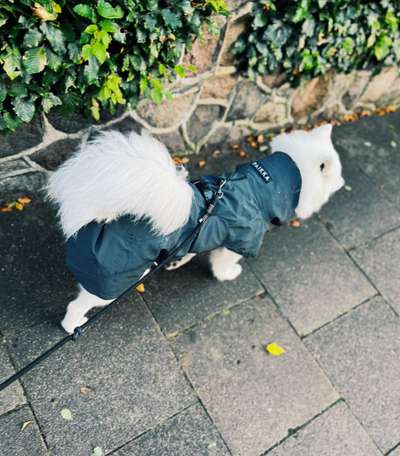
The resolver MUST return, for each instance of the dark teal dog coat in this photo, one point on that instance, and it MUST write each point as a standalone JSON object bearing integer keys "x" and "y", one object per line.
{"x": 107, "y": 258}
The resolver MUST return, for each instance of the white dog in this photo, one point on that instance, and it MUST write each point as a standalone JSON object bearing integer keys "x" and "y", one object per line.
{"x": 123, "y": 201}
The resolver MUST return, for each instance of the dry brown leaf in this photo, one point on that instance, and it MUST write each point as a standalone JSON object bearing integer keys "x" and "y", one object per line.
{"x": 85, "y": 390}
{"x": 242, "y": 153}
{"x": 5, "y": 209}
{"x": 24, "y": 200}
{"x": 201, "y": 163}
{"x": 295, "y": 223}
{"x": 235, "y": 146}
{"x": 260, "y": 139}
{"x": 177, "y": 161}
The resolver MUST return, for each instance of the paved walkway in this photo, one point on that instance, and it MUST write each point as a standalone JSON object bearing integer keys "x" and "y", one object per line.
{"x": 181, "y": 370}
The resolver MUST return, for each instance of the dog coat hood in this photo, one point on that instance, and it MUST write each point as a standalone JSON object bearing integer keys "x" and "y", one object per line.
{"x": 107, "y": 258}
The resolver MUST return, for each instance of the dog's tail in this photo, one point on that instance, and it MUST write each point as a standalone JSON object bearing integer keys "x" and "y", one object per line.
{"x": 116, "y": 175}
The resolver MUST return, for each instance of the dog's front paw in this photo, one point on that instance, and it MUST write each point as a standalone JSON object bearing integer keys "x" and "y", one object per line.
{"x": 69, "y": 323}
{"x": 228, "y": 274}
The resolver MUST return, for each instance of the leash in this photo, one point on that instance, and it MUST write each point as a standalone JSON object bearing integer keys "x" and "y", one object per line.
{"x": 79, "y": 330}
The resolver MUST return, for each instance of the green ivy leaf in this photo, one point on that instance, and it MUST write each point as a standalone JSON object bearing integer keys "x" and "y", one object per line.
{"x": 180, "y": 71}
{"x": 171, "y": 19}
{"x": 85, "y": 11}
{"x": 99, "y": 51}
{"x": 55, "y": 37}
{"x": 143, "y": 84}
{"x": 18, "y": 89}
{"x": 32, "y": 38}
{"x": 54, "y": 61}
{"x": 109, "y": 26}
{"x": 95, "y": 109}
{"x": 382, "y": 47}
{"x": 12, "y": 123}
{"x": 24, "y": 108}
{"x": 91, "y": 29}
{"x": 3, "y": 91}
{"x": 49, "y": 101}
{"x": 106, "y": 10}
{"x": 12, "y": 63}
{"x": 34, "y": 60}
{"x": 3, "y": 20}
{"x": 260, "y": 19}
{"x": 91, "y": 71}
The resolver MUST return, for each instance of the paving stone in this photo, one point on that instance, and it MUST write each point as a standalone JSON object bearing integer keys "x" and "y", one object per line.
{"x": 396, "y": 452}
{"x": 189, "y": 433}
{"x": 374, "y": 143}
{"x": 132, "y": 376}
{"x": 14, "y": 441}
{"x": 25, "y": 137}
{"x": 362, "y": 212}
{"x": 13, "y": 167}
{"x": 360, "y": 353}
{"x": 178, "y": 299}
{"x": 13, "y": 396}
{"x": 53, "y": 156}
{"x": 380, "y": 261}
{"x": 335, "y": 433}
{"x": 34, "y": 282}
{"x": 253, "y": 398}
{"x": 310, "y": 277}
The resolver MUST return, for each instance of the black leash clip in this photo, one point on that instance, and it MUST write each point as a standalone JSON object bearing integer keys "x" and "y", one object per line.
{"x": 211, "y": 206}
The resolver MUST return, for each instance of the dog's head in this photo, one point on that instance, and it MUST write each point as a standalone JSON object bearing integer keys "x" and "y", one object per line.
{"x": 319, "y": 165}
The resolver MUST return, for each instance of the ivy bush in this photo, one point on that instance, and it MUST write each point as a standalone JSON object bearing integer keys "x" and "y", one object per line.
{"x": 306, "y": 38}
{"x": 93, "y": 54}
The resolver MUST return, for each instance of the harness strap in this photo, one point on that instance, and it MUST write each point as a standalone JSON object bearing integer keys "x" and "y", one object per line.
{"x": 79, "y": 330}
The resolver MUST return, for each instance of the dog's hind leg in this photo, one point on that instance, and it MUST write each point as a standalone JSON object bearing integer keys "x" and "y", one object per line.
{"x": 224, "y": 264}
{"x": 79, "y": 307}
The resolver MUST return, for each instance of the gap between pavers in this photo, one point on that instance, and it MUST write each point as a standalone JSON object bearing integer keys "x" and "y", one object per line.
{"x": 253, "y": 398}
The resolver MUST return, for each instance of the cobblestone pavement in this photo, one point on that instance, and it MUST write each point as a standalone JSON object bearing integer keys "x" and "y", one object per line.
{"x": 181, "y": 370}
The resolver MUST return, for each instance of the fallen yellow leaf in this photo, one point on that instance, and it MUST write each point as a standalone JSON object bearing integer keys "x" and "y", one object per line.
{"x": 140, "y": 288}
{"x": 201, "y": 163}
{"x": 274, "y": 349}
{"x": 25, "y": 425}
{"x": 19, "y": 206}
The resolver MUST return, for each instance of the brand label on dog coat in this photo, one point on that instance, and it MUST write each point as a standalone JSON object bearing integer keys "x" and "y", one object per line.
{"x": 262, "y": 172}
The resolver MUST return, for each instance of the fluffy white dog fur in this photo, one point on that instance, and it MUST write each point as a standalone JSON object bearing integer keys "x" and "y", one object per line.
{"x": 117, "y": 174}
